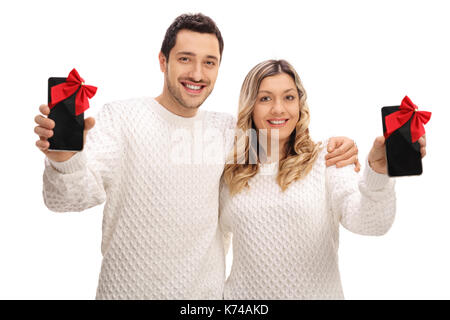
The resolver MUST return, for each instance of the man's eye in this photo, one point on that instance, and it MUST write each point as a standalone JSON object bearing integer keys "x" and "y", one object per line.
{"x": 263, "y": 99}
{"x": 210, "y": 63}
{"x": 184, "y": 59}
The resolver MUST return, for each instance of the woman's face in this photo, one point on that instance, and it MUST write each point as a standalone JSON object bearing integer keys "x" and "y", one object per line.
{"x": 277, "y": 106}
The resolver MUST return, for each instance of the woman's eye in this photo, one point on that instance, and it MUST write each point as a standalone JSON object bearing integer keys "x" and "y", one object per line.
{"x": 290, "y": 97}
{"x": 263, "y": 99}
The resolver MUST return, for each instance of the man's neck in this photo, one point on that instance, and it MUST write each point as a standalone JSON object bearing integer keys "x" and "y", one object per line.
{"x": 173, "y": 106}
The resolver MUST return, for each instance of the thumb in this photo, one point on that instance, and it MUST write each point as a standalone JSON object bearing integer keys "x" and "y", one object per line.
{"x": 89, "y": 123}
{"x": 379, "y": 142}
{"x": 331, "y": 145}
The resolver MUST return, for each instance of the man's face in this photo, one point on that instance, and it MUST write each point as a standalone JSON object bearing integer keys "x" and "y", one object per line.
{"x": 191, "y": 72}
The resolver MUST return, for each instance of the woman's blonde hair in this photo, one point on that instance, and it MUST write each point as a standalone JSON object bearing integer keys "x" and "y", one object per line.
{"x": 300, "y": 152}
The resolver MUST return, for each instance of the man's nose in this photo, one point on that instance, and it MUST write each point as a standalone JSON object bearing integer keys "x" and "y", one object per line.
{"x": 196, "y": 72}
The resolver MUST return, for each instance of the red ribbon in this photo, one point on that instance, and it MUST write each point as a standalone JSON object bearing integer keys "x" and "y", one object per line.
{"x": 64, "y": 90}
{"x": 397, "y": 119}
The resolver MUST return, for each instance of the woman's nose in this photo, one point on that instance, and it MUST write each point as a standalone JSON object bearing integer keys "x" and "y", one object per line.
{"x": 277, "y": 108}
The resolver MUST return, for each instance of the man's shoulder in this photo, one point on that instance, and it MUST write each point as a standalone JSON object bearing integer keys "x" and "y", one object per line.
{"x": 129, "y": 103}
{"x": 221, "y": 120}
{"x": 125, "y": 108}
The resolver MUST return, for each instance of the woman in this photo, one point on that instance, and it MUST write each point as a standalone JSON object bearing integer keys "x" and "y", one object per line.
{"x": 284, "y": 215}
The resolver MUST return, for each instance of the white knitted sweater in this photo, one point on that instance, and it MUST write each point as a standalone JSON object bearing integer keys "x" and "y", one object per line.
{"x": 285, "y": 245}
{"x": 161, "y": 238}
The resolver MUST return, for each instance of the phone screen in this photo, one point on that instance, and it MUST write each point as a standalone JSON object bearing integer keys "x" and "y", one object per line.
{"x": 68, "y": 130}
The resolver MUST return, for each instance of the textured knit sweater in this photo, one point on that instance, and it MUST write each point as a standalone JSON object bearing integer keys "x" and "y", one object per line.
{"x": 285, "y": 244}
{"x": 160, "y": 232}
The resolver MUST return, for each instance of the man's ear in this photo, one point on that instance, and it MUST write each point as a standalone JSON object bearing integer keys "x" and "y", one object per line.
{"x": 162, "y": 62}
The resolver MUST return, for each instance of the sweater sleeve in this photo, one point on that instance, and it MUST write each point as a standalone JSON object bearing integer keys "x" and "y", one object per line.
{"x": 363, "y": 205}
{"x": 82, "y": 181}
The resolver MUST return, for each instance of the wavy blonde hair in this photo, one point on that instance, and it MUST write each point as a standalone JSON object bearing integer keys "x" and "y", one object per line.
{"x": 300, "y": 151}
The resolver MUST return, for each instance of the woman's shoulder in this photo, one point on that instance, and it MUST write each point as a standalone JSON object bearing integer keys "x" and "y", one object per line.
{"x": 322, "y": 152}
{"x": 323, "y": 148}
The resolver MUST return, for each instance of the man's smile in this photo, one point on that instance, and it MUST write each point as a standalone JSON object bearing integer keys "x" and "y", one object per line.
{"x": 193, "y": 88}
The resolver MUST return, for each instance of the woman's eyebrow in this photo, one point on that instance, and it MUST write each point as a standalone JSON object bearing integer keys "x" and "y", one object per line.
{"x": 267, "y": 91}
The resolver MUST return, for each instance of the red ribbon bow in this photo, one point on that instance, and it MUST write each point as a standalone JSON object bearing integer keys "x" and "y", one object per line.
{"x": 64, "y": 90}
{"x": 397, "y": 119}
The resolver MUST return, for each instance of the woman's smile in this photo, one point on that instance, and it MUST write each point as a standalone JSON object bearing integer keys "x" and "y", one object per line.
{"x": 277, "y": 123}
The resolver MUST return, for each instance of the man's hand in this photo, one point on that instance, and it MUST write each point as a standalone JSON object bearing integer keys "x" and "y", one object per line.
{"x": 377, "y": 155}
{"x": 44, "y": 130}
{"x": 342, "y": 152}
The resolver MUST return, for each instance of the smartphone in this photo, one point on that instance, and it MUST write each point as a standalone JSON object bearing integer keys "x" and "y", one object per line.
{"x": 68, "y": 130}
{"x": 403, "y": 156}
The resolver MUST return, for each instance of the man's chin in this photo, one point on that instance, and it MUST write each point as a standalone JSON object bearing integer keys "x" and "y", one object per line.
{"x": 193, "y": 103}
{"x": 187, "y": 106}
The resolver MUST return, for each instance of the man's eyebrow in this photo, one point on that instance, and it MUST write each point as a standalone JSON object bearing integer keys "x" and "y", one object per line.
{"x": 188, "y": 53}
{"x": 213, "y": 57}
{"x": 266, "y": 91}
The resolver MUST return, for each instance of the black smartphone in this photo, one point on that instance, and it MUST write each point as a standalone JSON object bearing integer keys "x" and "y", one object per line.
{"x": 403, "y": 156}
{"x": 68, "y": 130}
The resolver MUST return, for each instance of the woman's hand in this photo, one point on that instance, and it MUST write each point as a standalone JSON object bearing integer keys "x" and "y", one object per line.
{"x": 377, "y": 155}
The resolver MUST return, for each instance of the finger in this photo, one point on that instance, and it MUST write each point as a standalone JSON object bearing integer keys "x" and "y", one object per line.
{"x": 358, "y": 166}
{"x": 379, "y": 141}
{"x": 89, "y": 123}
{"x": 423, "y": 152}
{"x": 422, "y": 142}
{"x": 44, "y": 109}
{"x": 43, "y": 132}
{"x": 342, "y": 149}
{"x": 347, "y": 155}
{"x": 347, "y": 162}
{"x": 44, "y": 122}
{"x": 43, "y": 145}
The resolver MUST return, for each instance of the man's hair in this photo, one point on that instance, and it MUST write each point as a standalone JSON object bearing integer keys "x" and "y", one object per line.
{"x": 193, "y": 22}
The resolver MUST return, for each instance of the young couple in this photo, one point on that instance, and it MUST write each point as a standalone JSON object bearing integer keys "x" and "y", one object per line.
{"x": 163, "y": 236}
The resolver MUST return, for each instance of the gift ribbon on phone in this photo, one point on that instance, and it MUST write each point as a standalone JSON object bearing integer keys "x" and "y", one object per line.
{"x": 64, "y": 90}
{"x": 397, "y": 119}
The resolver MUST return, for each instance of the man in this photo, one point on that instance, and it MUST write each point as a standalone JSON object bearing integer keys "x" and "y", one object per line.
{"x": 160, "y": 238}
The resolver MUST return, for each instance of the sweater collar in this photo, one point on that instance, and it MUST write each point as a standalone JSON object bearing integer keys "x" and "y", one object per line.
{"x": 174, "y": 118}
{"x": 268, "y": 168}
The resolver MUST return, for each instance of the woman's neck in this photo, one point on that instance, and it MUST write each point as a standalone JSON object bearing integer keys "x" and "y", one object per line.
{"x": 280, "y": 151}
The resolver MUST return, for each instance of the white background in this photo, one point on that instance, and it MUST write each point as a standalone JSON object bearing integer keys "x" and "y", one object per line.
{"x": 353, "y": 57}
